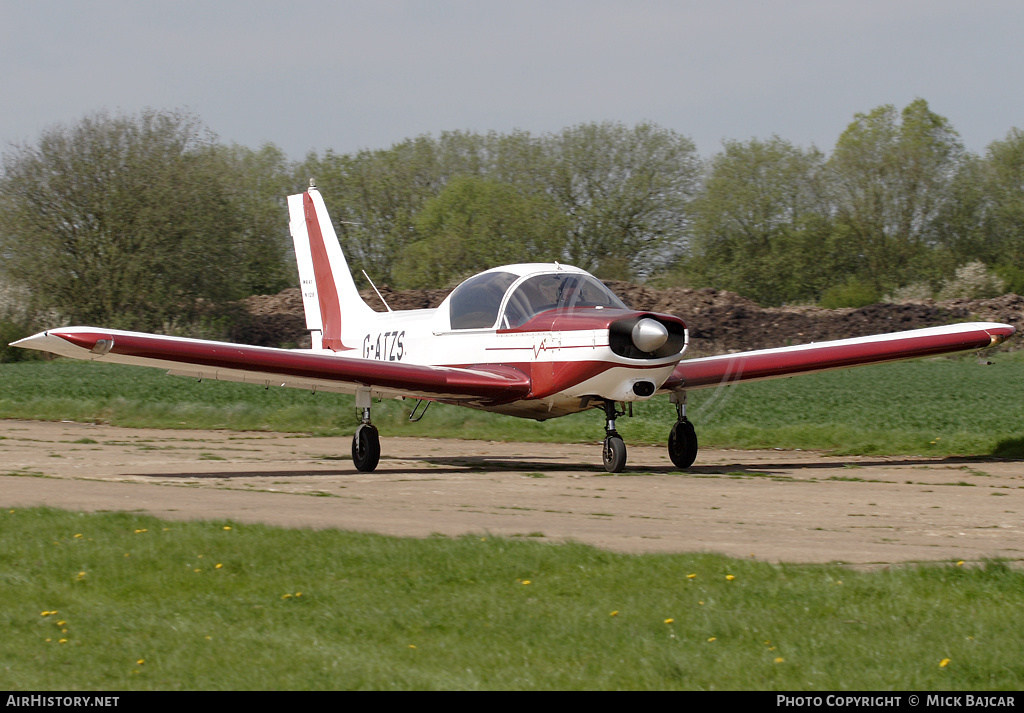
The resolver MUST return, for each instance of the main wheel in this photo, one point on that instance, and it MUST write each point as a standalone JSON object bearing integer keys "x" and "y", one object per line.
{"x": 682, "y": 444}
{"x": 366, "y": 448}
{"x": 614, "y": 454}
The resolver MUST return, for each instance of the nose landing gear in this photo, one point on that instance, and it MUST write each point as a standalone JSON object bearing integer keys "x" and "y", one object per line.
{"x": 614, "y": 452}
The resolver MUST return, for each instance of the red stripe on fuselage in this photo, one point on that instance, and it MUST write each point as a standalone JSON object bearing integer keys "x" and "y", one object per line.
{"x": 548, "y": 378}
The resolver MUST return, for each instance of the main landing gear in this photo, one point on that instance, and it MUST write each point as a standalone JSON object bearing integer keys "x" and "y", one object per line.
{"x": 366, "y": 441}
{"x": 682, "y": 440}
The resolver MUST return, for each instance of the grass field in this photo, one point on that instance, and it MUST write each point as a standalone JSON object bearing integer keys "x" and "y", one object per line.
{"x": 113, "y": 601}
{"x": 126, "y": 602}
{"x": 937, "y": 407}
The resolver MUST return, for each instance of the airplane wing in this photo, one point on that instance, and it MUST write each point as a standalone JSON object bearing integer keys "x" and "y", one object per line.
{"x": 298, "y": 368}
{"x": 724, "y": 369}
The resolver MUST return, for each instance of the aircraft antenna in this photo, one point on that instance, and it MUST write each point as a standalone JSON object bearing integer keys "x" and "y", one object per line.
{"x": 377, "y": 291}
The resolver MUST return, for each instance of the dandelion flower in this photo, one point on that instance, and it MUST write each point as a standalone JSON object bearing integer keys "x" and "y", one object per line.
{"x": 218, "y": 566}
{"x": 140, "y": 662}
{"x": 526, "y": 581}
{"x": 779, "y": 659}
{"x": 286, "y": 596}
{"x": 79, "y": 535}
{"x": 227, "y": 527}
{"x": 691, "y": 576}
{"x": 960, "y": 563}
{"x": 713, "y": 638}
{"x": 614, "y": 613}
{"x": 61, "y": 623}
{"x": 943, "y": 663}
{"x": 730, "y": 577}
{"x": 412, "y": 646}
{"x": 62, "y": 641}
{"x": 669, "y": 621}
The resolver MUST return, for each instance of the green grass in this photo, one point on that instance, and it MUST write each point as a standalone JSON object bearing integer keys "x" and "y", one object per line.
{"x": 127, "y": 602}
{"x": 938, "y": 407}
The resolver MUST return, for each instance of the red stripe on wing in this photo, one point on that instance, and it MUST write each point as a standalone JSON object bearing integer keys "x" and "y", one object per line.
{"x": 497, "y": 384}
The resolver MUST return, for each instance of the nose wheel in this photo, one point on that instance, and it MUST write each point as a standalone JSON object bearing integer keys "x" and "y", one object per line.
{"x": 613, "y": 454}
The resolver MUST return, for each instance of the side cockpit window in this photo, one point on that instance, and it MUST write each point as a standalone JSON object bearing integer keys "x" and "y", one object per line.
{"x": 474, "y": 304}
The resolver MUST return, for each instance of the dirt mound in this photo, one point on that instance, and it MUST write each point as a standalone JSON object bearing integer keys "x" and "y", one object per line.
{"x": 719, "y": 321}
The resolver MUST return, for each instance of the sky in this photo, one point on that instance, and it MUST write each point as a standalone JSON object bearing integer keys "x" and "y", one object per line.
{"x": 346, "y": 75}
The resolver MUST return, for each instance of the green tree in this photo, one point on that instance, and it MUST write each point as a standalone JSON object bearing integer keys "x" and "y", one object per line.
{"x": 891, "y": 174}
{"x": 257, "y": 183}
{"x": 625, "y": 191}
{"x": 1003, "y": 183}
{"x": 121, "y": 220}
{"x": 477, "y": 223}
{"x": 762, "y": 225}
{"x": 373, "y": 198}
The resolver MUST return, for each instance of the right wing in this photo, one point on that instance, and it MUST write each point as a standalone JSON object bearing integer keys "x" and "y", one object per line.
{"x": 839, "y": 354}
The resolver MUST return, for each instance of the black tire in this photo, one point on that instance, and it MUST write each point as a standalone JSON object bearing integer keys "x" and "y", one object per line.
{"x": 366, "y": 448}
{"x": 614, "y": 454}
{"x": 682, "y": 444}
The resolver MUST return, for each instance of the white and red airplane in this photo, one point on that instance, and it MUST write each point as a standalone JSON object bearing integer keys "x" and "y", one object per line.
{"x": 536, "y": 340}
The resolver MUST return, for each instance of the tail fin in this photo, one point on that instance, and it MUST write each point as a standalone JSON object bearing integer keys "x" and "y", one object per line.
{"x": 328, "y": 290}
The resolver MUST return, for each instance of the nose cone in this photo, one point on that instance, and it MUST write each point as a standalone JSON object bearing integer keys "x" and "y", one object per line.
{"x": 649, "y": 335}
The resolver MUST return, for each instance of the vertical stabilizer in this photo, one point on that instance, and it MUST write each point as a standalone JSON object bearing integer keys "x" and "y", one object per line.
{"x": 328, "y": 291}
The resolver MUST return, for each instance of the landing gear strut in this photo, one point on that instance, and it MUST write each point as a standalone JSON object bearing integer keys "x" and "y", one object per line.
{"x": 614, "y": 451}
{"x": 366, "y": 441}
{"x": 682, "y": 440}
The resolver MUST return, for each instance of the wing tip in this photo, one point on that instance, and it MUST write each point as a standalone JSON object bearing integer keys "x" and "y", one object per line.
{"x": 999, "y": 334}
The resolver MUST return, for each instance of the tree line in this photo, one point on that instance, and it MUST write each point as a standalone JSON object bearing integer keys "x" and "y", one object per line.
{"x": 148, "y": 221}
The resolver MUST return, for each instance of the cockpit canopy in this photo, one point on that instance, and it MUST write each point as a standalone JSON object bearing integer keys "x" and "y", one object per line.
{"x": 477, "y": 302}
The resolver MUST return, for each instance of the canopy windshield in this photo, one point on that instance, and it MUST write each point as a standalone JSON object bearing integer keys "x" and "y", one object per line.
{"x": 556, "y": 290}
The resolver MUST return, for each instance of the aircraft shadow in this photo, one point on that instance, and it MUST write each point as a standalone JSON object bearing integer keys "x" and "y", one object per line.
{"x": 442, "y": 465}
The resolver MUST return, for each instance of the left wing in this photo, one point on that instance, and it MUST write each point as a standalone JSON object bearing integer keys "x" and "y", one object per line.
{"x": 839, "y": 354}
{"x": 299, "y": 368}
